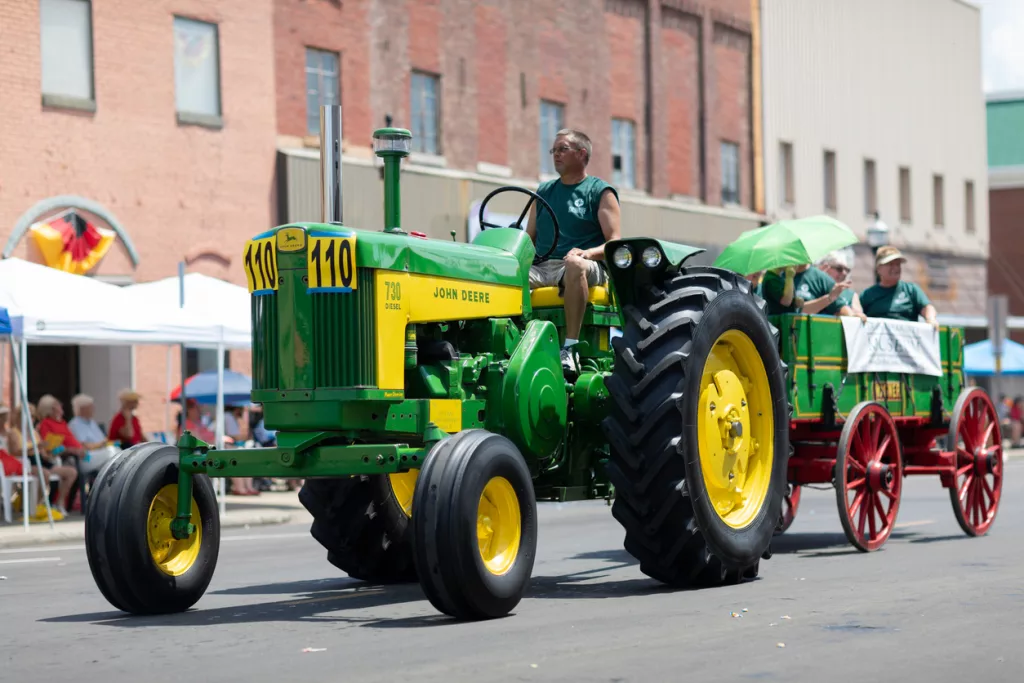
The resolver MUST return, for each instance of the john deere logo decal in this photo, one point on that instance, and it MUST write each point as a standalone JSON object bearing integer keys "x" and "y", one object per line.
{"x": 291, "y": 239}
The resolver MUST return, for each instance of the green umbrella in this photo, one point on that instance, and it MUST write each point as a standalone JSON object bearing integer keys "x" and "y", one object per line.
{"x": 786, "y": 243}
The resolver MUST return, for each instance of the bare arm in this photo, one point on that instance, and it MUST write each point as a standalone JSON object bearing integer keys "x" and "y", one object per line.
{"x": 609, "y": 216}
{"x": 929, "y": 314}
{"x": 531, "y": 223}
{"x": 787, "y": 288}
{"x": 816, "y": 305}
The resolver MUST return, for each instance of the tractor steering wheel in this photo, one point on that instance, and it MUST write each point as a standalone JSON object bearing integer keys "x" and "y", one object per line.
{"x": 519, "y": 223}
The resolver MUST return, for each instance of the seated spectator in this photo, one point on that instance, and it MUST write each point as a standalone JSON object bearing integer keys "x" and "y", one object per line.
{"x": 125, "y": 426}
{"x": 66, "y": 474}
{"x": 803, "y": 289}
{"x": 194, "y": 424}
{"x": 836, "y": 266}
{"x": 894, "y": 297}
{"x": 98, "y": 449}
{"x": 84, "y": 425}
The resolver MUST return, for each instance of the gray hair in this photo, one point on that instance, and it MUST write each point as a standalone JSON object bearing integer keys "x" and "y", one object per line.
{"x": 81, "y": 401}
{"x": 835, "y": 258}
{"x": 577, "y": 138}
{"x": 46, "y": 406}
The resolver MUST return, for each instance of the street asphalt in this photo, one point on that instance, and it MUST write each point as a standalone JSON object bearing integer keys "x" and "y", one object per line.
{"x": 933, "y": 606}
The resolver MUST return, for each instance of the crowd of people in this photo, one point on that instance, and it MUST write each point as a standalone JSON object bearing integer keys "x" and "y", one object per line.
{"x": 826, "y": 288}
{"x": 72, "y": 452}
{"x": 68, "y": 450}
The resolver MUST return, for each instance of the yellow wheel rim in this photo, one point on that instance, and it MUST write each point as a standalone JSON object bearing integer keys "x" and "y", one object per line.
{"x": 735, "y": 429}
{"x": 171, "y": 555}
{"x": 402, "y": 485}
{"x": 498, "y": 526}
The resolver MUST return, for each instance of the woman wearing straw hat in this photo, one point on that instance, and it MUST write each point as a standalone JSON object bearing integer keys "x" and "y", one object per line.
{"x": 894, "y": 297}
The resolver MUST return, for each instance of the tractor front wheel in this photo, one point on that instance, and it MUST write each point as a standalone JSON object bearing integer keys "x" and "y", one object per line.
{"x": 363, "y": 522}
{"x": 698, "y": 429}
{"x": 475, "y": 526}
{"x": 138, "y": 565}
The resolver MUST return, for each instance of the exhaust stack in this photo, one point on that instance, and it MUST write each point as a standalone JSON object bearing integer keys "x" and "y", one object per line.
{"x": 330, "y": 164}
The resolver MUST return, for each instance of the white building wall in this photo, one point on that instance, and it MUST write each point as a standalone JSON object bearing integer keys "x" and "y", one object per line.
{"x": 897, "y": 81}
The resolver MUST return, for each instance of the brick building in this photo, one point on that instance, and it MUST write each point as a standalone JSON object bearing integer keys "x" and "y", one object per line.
{"x": 664, "y": 89}
{"x": 186, "y": 127}
{"x": 1006, "y": 203}
{"x": 153, "y": 119}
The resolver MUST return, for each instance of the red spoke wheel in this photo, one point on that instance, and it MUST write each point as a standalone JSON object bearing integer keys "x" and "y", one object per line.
{"x": 869, "y": 476}
{"x": 789, "y": 505}
{"x": 978, "y": 484}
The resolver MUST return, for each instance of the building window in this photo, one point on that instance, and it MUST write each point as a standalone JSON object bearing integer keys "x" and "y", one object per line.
{"x": 196, "y": 70}
{"x": 426, "y": 114}
{"x": 969, "y": 206}
{"x": 830, "y": 181}
{"x": 730, "y": 173}
{"x": 552, "y": 120}
{"x": 65, "y": 30}
{"x": 870, "y": 188}
{"x": 939, "y": 208}
{"x": 786, "y": 173}
{"x": 905, "y": 203}
{"x": 323, "y": 85}
{"x": 623, "y": 153}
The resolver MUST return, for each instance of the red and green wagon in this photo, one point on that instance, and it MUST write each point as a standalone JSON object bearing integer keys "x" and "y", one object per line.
{"x": 864, "y": 432}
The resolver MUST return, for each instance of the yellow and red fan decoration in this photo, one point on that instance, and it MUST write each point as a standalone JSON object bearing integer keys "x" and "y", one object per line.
{"x": 70, "y": 243}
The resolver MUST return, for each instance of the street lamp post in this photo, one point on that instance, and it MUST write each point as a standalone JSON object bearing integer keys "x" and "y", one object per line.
{"x": 878, "y": 237}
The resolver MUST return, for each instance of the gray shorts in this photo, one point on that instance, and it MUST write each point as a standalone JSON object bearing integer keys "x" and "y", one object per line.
{"x": 549, "y": 274}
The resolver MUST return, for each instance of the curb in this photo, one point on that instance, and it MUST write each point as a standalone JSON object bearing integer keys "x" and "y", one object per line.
{"x": 59, "y": 536}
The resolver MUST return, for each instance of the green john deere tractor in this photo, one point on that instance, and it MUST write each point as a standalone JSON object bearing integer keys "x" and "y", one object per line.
{"x": 415, "y": 385}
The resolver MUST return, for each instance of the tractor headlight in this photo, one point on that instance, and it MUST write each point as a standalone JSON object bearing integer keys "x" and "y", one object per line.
{"x": 622, "y": 257}
{"x": 651, "y": 257}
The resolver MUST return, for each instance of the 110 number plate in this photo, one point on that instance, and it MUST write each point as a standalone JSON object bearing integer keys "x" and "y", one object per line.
{"x": 260, "y": 262}
{"x": 331, "y": 262}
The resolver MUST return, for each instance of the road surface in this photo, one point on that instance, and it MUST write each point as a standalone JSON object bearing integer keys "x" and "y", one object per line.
{"x": 933, "y": 605}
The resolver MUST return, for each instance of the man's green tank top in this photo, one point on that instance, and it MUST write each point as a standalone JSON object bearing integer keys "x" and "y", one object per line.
{"x": 576, "y": 207}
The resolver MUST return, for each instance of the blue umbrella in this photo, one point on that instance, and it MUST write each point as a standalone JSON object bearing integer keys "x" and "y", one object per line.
{"x": 5, "y": 322}
{"x": 979, "y": 359}
{"x": 202, "y": 388}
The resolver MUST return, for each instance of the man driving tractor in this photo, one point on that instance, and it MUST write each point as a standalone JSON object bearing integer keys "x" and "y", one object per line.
{"x": 587, "y": 210}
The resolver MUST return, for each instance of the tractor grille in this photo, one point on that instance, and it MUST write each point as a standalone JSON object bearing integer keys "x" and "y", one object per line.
{"x": 265, "y": 357}
{"x": 344, "y": 337}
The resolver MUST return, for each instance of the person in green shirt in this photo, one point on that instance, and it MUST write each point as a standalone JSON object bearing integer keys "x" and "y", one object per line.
{"x": 837, "y": 266}
{"x": 894, "y": 297}
{"x": 805, "y": 289}
{"x": 588, "y": 213}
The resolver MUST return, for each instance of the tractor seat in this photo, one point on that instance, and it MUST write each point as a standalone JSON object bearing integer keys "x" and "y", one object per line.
{"x": 547, "y": 297}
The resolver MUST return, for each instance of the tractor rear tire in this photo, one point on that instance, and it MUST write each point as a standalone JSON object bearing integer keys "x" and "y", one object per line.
{"x": 362, "y": 525}
{"x": 658, "y": 402}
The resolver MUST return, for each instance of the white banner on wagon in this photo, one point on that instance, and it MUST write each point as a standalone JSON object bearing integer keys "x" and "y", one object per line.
{"x": 885, "y": 345}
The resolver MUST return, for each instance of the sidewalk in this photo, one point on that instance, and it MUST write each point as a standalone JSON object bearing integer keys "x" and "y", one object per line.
{"x": 270, "y": 507}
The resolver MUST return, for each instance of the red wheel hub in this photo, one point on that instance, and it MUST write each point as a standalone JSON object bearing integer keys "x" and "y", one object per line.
{"x": 880, "y": 477}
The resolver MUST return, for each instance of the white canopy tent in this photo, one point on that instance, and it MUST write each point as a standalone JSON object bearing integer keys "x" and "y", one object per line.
{"x": 206, "y": 298}
{"x": 48, "y": 306}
